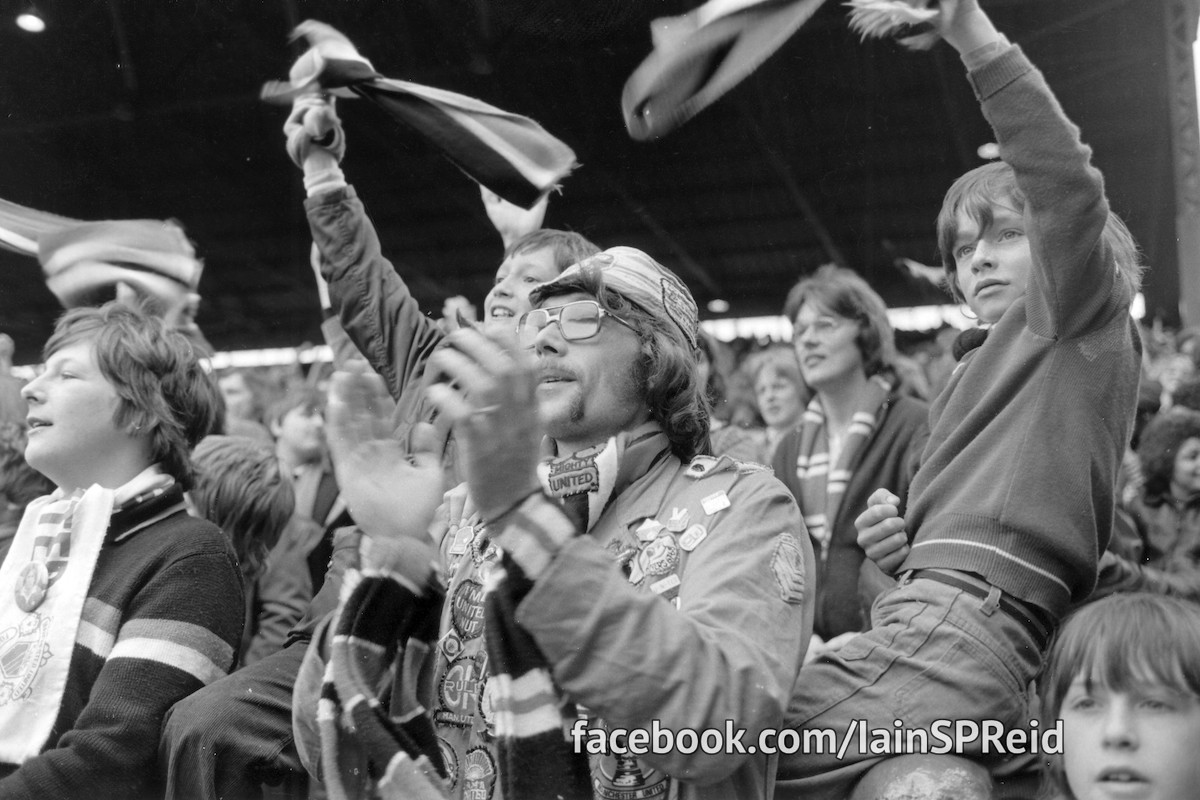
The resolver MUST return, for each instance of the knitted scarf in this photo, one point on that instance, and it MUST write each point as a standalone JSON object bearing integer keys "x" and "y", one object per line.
{"x": 510, "y": 154}
{"x": 82, "y": 260}
{"x": 365, "y": 748}
{"x": 45, "y": 581}
{"x": 823, "y": 485}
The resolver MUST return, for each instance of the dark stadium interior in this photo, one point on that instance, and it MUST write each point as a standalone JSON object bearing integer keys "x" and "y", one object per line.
{"x": 832, "y": 151}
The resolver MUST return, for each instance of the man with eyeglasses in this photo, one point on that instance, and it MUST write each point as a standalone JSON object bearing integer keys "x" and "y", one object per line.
{"x": 653, "y": 587}
{"x": 236, "y": 735}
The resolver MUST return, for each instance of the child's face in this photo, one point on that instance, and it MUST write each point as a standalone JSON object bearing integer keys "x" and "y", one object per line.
{"x": 1139, "y": 744}
{"x": 1185, "y": 479}
{"x": 302, "y": 431}
{"x": 992, "y": 265}
{"x": 779, "y": 400}
{"x": 72, "y": 419}
{"x": 519, "y": 275}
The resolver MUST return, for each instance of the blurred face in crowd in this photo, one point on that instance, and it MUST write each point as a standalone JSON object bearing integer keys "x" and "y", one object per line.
{"x": 516, "y": 278}
{"x": 1175, "y": 370}
{"x": 1141, "y": 743}
{"x": 300, "y": 433}
{"x": 587, "y": 388}
{"x": 74, "y": 439}
{"x": 1185, "y": 478}
{"x": 779, "y": 399}
{"x": 826, "y": 347}
{"x": 992, "y": 263}
{"x": 239, "y": 400}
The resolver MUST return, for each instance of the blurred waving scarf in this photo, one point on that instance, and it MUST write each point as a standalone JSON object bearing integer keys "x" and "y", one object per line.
{"x": 701, "y": 55}
{"x": 81, "y": 260}
{"x": 509, "y": 154}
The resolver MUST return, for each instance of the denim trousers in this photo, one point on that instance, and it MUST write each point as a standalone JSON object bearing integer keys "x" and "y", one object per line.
{"x": 933, "y": 654}
{"x": 233, "y": 736}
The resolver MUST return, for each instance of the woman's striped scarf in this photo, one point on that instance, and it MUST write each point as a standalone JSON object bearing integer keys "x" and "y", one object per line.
{"x": 822, "y": 485}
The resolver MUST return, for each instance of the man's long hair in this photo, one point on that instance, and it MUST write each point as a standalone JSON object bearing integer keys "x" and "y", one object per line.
{"x": 667, "y": 372}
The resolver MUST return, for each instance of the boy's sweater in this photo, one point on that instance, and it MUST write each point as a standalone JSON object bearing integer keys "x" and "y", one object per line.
{"x": 1017, "y": 483}
{"x": 162, "y": 619}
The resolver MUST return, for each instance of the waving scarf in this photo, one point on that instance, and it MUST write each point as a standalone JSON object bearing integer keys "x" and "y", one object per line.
{"x": 510, "y": 154}
{"x": 82, "y": 259}
{"x": 701, "y": 55}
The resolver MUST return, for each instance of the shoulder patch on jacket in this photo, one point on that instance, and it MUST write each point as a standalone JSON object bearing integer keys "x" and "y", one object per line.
{"x": 788, "y": 565}
{"x": 701, "y": 466}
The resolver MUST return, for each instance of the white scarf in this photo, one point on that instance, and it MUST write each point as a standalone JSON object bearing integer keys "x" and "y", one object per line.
{"x": 44, "y": 582}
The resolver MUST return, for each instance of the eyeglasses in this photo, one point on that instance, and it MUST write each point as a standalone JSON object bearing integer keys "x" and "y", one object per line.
{"x": 821, "y": 327}
{"x": 576, "y": 321}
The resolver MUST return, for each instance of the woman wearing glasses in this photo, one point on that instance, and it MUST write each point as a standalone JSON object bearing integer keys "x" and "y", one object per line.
{"x": 856, "y": 435}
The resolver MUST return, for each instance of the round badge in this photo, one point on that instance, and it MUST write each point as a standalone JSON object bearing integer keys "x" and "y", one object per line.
{"x": 32, "y": 585}
{"x": 660, "y": 556}
{"x": 466, "y": 609}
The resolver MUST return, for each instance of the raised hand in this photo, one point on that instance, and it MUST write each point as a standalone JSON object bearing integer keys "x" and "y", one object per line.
{"x": 881, "y": 532}
{"x": 390, "y": 491}
{"x": 964, "y": 25}
{"x": 489, "y": 396}
{"x": 511, "y": 221}
{"x": 314, "y": 131}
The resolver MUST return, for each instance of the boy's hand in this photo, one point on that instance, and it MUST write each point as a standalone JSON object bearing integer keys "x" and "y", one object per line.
{"x": 315, "y": 139}
{"x": 881, "y": 532}
{"x": 511, "y": 221}
{"x": 965, "y": 26}
{"x": 389, "y": 492}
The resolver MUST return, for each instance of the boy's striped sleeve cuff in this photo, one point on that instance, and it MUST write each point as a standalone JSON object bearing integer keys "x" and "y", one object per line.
{"x": 1009, "y": 65}
{"x": 412, "y": 560}
{"x": 533, "y": 532}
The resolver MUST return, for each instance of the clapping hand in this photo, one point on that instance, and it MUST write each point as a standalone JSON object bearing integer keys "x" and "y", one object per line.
{"x": 390, "y": 491}
{"x": 489, "y": 397}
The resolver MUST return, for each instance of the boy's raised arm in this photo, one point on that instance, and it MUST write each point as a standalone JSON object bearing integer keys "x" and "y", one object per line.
{"x": 1073, "y": 286}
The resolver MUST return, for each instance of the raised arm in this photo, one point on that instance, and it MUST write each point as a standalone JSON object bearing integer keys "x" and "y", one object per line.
{"x": 372, "y": 301}
{"x": 1074, "y": 285}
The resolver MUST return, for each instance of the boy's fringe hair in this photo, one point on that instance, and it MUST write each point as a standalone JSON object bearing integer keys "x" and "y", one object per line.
{"x": 240, "y": 488}
{"x": 300, "y": 395}
{"x": 569, "y": 247}
{"x": 974, "y": 194}
{"x": 156, "y": 371}
{"x": 1119, "y": 642}
{"x": 780, "y": 359}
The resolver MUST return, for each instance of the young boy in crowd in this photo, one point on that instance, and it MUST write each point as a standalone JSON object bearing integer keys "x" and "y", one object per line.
{"x": 116, "y": 602}
{"x": 241, "y": 488}
{"x": 1014, "y": 499}
{"x": 1123, "y": 677}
